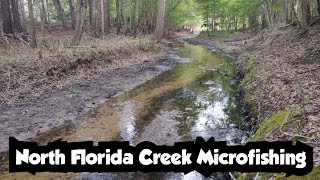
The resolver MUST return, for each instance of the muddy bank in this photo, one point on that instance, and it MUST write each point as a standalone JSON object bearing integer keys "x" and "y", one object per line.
{"x": 54, "y": 108}
{"x": 280, "y": 82}
{"x": 27, "y": 75}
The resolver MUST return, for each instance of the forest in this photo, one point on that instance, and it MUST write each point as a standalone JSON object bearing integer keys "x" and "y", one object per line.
{"x": 161, "y": 71}
{"x": 26, "y": 20}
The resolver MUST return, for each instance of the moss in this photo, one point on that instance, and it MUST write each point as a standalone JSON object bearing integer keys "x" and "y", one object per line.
{"x": 242, "y": 176}
{"x": 270, "y": 124}
{"x": 250, "y": 71}
{"x": 246, "y": 83}
{"x": 314, "y": 174}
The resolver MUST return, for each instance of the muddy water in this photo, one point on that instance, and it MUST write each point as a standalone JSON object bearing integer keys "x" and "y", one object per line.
{"x": 196, "y": 98}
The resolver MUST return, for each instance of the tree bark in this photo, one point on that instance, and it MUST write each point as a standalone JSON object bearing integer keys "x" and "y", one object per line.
{"x": 16, "y": 16}
{"x": 93, "y": 18}
{"x": 318, "y": 4}
{"x": 118, "y": 9}
{"x": 33, "y": 43}
{"x": 102, "y": 19}
{"x": 6, "y": 17}
{"x": 48, "y": 16}
{"x": 306, "y": 14}
{"x": 80, "y": 18}
{"x": 266, "y": 16}
{"x": 160, "y": 20}
{"x": 287, "y": 12}
{"x": 59, "y": 9}
{"x": 44, "y": 12}
{"x": 107, "y": 16}
{"x": 125, "y": 16}
{"x": 90, "y": 12}
{"x": 0, "y": 16}
{"x": 42, "y": 17}
{"x": 135, "y": 24}
{"x": 73, "y": 17}
{"x": 98, "y": 18}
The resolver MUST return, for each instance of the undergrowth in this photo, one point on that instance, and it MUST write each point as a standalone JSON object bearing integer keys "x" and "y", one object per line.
{"x": 56, "y": 64}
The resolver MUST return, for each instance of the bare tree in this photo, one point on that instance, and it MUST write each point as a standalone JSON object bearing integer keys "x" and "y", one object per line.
{"x": 118, "y": 9}
{"x": 60, "y": 12}
{"x": 125, "y": 15}
{"x": 136, "y": 12}
{"x": 102, "y": 18}
{"x": 42, "y": 17}
{"x": 6, "y": 17}
{"x": 160, "y": 20}
{"x": 48, "y": 16}
{"x": 80, "y": 18}
{"x": 32, "y": 25}
{"x": 73, "y": 17}
{"x": 287, "y": 12}
{"x": 16, "y": 16}
{"x": 93, "y": 17}
{"x": 266, "y": 16}
{"x": 318, "y": 4}
{"x": 107, "y": 15}
{"x": 306, "y": 14}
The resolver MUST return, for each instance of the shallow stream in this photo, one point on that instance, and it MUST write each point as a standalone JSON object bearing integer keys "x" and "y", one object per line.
{"x": 196, "y": 98}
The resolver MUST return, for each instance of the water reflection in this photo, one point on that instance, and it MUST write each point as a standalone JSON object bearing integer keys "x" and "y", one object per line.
{"x": 181, "y": 104}
{"x": 128, "y": 121}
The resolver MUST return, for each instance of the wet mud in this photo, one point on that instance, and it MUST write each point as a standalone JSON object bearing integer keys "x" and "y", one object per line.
{"x": 192, "y": 99}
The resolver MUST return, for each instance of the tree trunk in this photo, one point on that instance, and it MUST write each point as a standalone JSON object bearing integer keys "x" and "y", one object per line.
{"x": 6, "y": 17}
{"x": 160, "y": 20}
{"x": 98, "y": 18}
{"x": 23, "y": 16}
{"x": 16, "y": 16}
{"x": 107, "y": 16}
{"x": 287, "y": 12}
{"x": 48, "y": 16}
{"x": 44, "y": 12}
{"x": 0, "y": 17}
{"x": 80, "y": 18}
{"x": 136, "y": 17}
{"x": 73, "y": 17}
{"x": 94, "y": 18}
{"x": 306, "y": 14}
{"x": 59, "y": 9}
{"x": 318, "y": 4}
{"x": 102, "y": 19}
{"x": 269, "y": 15}
{"x": 33, "y": 43}
{"x": 118, "y": 16}
{"x": 125, "y": 16}
{"x": 90, "y": 12}
{"x": 266, "y": 16}
{"x": 42, "y": 17}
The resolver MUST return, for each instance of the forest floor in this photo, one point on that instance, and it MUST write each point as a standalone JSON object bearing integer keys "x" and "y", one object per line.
{"x": 43, "y": 88}
{"x": 281, "y": 81}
